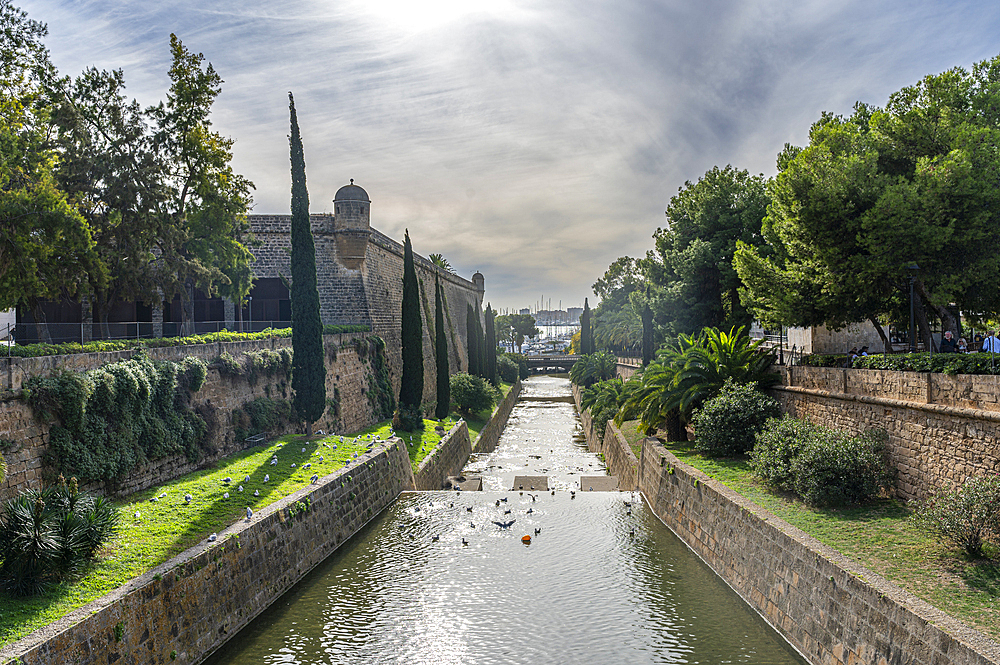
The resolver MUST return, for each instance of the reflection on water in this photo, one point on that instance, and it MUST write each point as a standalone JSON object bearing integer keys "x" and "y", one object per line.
{"x": 603, "y": 582}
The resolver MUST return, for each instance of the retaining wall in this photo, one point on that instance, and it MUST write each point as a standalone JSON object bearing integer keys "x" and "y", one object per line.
{"x": 189, "y": 606}
{"x": 488, "y": 437}
{"x": 829, "y": 608}
{"x": 447, "y": 459}
{"x": 941, "y": 428}
{"x": 619, "y": 459}
{"x": 347, "y": 374}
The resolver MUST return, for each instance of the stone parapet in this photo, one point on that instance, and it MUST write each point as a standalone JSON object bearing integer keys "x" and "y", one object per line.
{"x": 447, "y": 459}
{"x": 185, "y": 609}
{"x": 619, "y": 458}
{"x": 489, "y": 436}
{"x": 832, "y": 610}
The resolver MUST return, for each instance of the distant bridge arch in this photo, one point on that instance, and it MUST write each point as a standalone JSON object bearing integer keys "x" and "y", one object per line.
{"x": 542, "y": 364}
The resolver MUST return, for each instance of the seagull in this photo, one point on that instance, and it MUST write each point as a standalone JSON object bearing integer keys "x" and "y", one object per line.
{"x": 212, "y": 538}
{"x": 274, "y": 461}
{"x": 434, "y": 539}
{"x": 498, "y": 503}
{"x": 553, "y": 492}
{"x": 137, "y": 514}
{"x": 468, "y": 509}
{"x": 303, "y": 450}
{"x": 227, "y": 479}
{"x": 162, "y": 495}
{"x": 314, "y": 479}
{"x": 267, "y": 477}
{"x": 472, "y": 524}
{"x": 504, "y": 499}
{"x": 226, "y": 495}
{"x": 529, "y": 511}
{"x": 341, "y": 440}
{"x": 249, "y": 514}
{"x": 628, "y": 512}
{"x": 153, "y": 500}
{"x": 537, "y": 531}
{"x": 335, "y": 446}
{"x": 246, "y": 479}
{"x": 256, "y": 492}
{"x": 307, "y": 465}
{"x": 240, "y": 488}
{"x": 504, "y": 525}
{"x": 507, "y": 512}
{"x": 533, "y": 497}
{"x": 464, "y": 541}
{"x": 187, "y": 498}
{"x": 320, "y": 458}
{"x": 293, "y": 465}
{"x": 632, "y": 533}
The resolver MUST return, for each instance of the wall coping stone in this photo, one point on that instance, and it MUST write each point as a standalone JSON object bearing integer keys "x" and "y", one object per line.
{"x": 931, "y": 628}
{"x": 944, "y": 409}
{"x": 56, "y": 642}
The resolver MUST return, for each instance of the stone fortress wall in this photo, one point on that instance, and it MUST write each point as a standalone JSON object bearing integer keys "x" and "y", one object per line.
{"x": 359, "y": 273}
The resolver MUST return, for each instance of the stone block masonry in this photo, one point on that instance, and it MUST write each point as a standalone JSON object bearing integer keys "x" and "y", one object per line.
{"x": 348, "y": 375}
{"x": 619, "y": 459}
{"x": 447, "y": 459}
{"x": 829, "y": 608}
{"x": 942, "y": 429}
{"x": 187, "y": 608}
{"x": 488, "y": 437}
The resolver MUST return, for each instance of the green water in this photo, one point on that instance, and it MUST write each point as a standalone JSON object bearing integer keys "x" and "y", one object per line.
{"x": 603, "y": 582}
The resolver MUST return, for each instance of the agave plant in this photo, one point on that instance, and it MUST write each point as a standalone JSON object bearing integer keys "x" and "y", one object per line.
{"x": 685, "y": 375}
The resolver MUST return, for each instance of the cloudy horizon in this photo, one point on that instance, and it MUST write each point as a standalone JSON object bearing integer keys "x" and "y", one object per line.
{"x": 535, "y": 142}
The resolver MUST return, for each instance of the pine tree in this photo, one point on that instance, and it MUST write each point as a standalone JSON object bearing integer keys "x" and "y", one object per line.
{"x": 411, "y": 387}
{"x": 441, "y": 351}
{"x": 586, "y": 334}
{"x": 491, "y": 348}
{"x": 308, "y": 367}
{"x": 472, "y": 338}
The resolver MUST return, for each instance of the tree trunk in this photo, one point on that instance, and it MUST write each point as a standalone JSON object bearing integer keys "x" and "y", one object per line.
{"x": 103, "y": 308}
{"x": 674, "y": 426}
{"x": 41, "y": 326}
{"x": 948, "y": 321}
{"x": 922, "y": 323}
{"x": 881, "y": 333}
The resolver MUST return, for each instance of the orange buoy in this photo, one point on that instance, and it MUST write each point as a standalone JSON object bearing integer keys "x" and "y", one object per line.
{"x": 526, "y": 540}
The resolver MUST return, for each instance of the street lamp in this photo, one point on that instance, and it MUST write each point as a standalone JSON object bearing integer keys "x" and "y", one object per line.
{"x": 913, "y": 268}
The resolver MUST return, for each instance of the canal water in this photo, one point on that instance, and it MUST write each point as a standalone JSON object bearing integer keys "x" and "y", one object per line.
{"x": 436, "y": 580}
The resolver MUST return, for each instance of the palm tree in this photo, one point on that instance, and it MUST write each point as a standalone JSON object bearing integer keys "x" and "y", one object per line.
{"x": 441, "y": 262}
{"x": 684, "y": 376}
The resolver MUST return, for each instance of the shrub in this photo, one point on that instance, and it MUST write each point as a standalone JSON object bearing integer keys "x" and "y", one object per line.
{"x": 507, "y": 369}
{"x": 967, "y": 515}
{"x": 778, "y": 444}
{"x": 729, "y": 422}
{"x": 119, "y": 416}
{"x": 472, "y": 394}
{"x": 835, "y": 469}
{"x": 593, "y": 368}
{"x": 48, "y": 535}
{"x": 408, "y": 419}
{"x": 521, "y": 361}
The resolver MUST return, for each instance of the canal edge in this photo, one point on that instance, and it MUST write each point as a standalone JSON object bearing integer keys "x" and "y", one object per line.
{"x": 186, "y": 608}
{"x": 828, "y": 607}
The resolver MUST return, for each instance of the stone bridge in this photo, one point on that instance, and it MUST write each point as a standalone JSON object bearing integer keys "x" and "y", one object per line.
{"x": 541, "y": 364}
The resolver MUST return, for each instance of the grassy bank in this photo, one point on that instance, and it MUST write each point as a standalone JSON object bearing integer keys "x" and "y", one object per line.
{"x": 152, "y": 533}
{"x": 881, "y": 537}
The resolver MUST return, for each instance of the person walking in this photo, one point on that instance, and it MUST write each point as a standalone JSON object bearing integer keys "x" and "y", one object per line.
{"x": 992, "y": 343}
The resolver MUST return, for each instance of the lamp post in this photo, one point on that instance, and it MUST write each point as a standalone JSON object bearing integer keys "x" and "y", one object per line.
{"x": 913, "y": 268}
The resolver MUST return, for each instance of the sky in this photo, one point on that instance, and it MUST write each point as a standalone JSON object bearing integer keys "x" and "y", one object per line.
{"x": 534, "y": 141}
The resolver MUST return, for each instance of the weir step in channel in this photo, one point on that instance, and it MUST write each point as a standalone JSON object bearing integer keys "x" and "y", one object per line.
{"x": 598, "y": 483}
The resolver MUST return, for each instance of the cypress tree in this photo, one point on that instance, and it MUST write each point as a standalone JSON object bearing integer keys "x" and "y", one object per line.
{"x": 308, "y": 367}
{"x": 441, "y": 351}
{"x": 411, "y": 385}
{"x": 491, "y": 348}
{"x": 472, "y": 338}
{"x": 481, "y": 343}
{"x": 647, "y": 335}
{"x": 586, "y": 335}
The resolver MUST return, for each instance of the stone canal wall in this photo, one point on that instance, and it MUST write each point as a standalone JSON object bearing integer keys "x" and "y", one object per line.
{"x": 488, "y": 437}
{"x": 829, "y": 608}
{"x": 450, "y": 455}
{"x": 619, "y": 459}
{"x": 348, "y": 377}
{"x": 447, "y": 459}
{"x": 941, "y": 428}
{"x": 187, "y": 608}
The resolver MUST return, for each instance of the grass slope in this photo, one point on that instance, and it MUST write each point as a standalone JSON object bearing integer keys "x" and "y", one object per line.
{"x": 882, "y": 538}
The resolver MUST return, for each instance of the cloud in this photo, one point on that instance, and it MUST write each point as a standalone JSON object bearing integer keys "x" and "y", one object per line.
{"x": 534, "y": 141}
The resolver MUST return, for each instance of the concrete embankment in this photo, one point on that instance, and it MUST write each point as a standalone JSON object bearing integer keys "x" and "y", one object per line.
{"x": 832, "y": 610}
{"x": 188, "y": 607}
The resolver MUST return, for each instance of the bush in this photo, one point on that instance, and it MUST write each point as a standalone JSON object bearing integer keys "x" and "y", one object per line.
{"x": 49, "y": 535}
{"x": 778, "y": 444}
{"x": 408, "y": 419}
{"x": 968, "y": 515}
{"x": 472, "y": 394}
{"x": 507, "y": 369}
{"x": 522, "y": 364}
{"x": 593, "y": 368}
{"x": 117, "y": 417}
{"x": 835, "y": 469}
{"x": 729, "y": 422}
